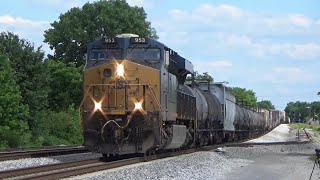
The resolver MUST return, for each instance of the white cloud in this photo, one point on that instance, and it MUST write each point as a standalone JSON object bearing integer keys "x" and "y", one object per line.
{"x": 287, "y": 70}
{"x": 229, "y": 10}
{"x": 65, "y": 4}
{"x": 26, "y": 29}
{"x": 141, "y": 3}
{"x": 297, "y": 51}
{"x": 10, "y": 21}
{"x": 261, "y": 49}
{"x": 220, "y": 70}
{"x": 256, "y": 34}
{"x": 205, "y": 13}
{"x": 229, "y": 18}
{"x": 220, "y": 64}
{"x": 288, "y": 75}
{"x": 300, "y": 20}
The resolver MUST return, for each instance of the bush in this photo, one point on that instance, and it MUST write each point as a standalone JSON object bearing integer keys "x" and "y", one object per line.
{"x": 58, "y": 128}
{"x": 14, "y": 129}
{"x": 14, "y": 138}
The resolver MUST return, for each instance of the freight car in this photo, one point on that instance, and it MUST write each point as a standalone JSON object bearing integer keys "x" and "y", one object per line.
{"x": 136, "y": 100}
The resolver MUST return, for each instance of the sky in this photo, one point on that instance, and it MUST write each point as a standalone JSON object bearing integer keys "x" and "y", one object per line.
{"x": 271, "y": 47}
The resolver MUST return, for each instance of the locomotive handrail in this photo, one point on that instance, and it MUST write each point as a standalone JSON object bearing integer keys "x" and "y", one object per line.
{"x": 91, "y": 85}
{"x": 151, "y": 89}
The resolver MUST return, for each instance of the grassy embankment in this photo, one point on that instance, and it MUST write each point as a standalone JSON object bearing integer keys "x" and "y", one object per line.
{"x": 315, "y": 128}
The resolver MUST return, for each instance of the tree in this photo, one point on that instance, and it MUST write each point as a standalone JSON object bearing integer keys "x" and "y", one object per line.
{"x": 70, "y": 35}
{"x": 13, "y": 125}
{"x": 29, "y": 71}
{"x": 298, "y": 111}
{"x": 57, "y": 128}
{"x": 201, "y": 77}
{"x": 315, "y": 110}
{"x": 65, "y": 85}
{"x": 265, "y": 104}
{"x": 248, "y": 97}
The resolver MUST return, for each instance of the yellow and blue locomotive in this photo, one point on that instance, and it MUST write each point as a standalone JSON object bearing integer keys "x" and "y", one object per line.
{"x": 136, "y": 101}
{"x": 130, "y": 97}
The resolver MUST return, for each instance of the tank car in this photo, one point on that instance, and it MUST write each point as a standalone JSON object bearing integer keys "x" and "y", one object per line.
{"x": 237, "y": 122}
{"x": 265, "y": 114}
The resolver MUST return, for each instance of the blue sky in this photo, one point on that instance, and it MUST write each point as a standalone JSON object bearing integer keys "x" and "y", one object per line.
{"x": 271, "y": 47}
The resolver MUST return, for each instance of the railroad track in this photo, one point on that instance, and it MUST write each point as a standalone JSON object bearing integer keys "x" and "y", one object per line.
{"x": 41, "y": 153}
{"x": 303, "y": 135}
{"x": 63, "y": 170}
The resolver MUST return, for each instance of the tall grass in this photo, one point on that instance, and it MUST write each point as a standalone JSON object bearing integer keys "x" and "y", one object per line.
{"x": 314, "y": 127}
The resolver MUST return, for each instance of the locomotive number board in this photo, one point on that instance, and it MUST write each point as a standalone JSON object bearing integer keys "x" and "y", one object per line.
{"x": 138, "y": 40}
{"x": 110, "y": 40}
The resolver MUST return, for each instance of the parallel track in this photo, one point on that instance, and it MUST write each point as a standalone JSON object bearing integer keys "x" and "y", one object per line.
{"x": 63, "y": 170}
{"x": 41, "y": 153}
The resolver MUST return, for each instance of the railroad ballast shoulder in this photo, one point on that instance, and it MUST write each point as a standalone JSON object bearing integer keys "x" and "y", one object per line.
{"x": 136, "y": 100}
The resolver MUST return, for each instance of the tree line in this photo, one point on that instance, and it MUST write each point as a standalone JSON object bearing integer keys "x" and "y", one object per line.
{"x": 39, "y": 94}
{"x": 303, "y": 111}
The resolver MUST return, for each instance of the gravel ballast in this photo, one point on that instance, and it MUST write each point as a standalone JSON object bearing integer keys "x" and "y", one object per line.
{"x": 232, "y": 163}
{"x": 281, "y": 133}
{"x": 229, "y": 164}
{"x": 199, "y": 165}
{"x": 30, "y": 162}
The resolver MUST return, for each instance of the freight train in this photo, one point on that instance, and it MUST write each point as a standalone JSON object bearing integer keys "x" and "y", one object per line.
{"x": 137, "y": 100}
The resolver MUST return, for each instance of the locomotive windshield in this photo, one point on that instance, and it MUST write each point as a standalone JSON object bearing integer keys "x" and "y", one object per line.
{"x": 151, "y": 54}
{"x": 105, "y": 54}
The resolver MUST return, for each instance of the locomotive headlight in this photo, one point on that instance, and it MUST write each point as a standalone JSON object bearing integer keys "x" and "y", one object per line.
{"x": 97, "y": 106}
{"x": 138, "y": 105}
{"x": 120, "y": 70}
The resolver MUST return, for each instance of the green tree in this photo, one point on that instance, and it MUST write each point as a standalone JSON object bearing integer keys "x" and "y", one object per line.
{"x": 315, "y": 110}
{"x": 29, "y": 71}
{"x": 65, "y": 85}
{"x": 248, "y": 97}
{"x": 70, "y": 35}
{"x": 14, "y": 130}
{"x": 265, "y": 104}
{"x": 56, "y": 128}
{"x": 201, "y": 77}
{"x": 298, "y": 111}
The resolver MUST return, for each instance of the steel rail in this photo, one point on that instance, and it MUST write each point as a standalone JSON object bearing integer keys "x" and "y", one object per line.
{"x": 11, "y": 155}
